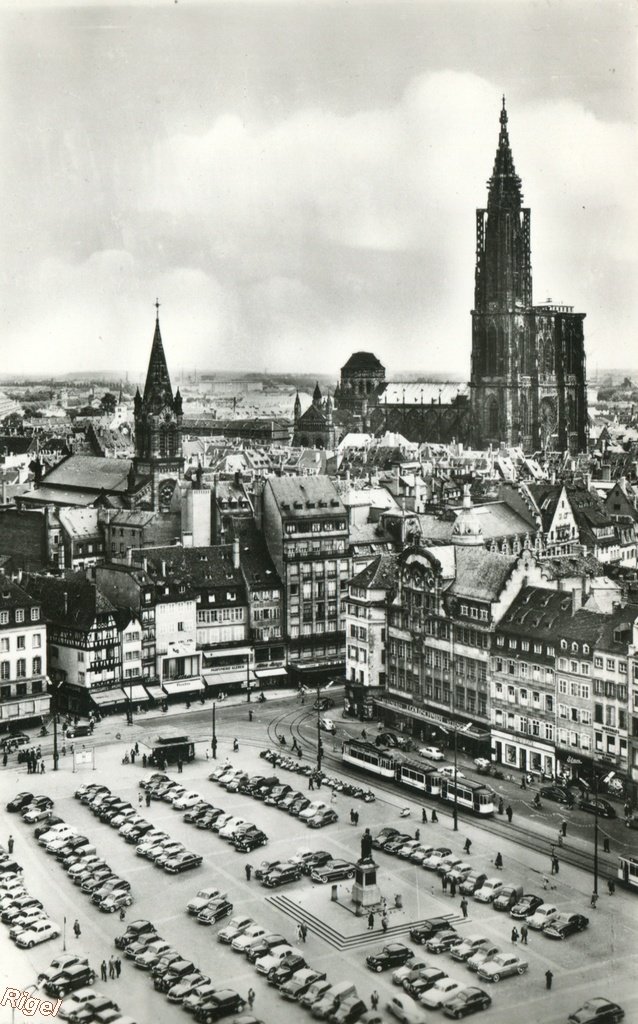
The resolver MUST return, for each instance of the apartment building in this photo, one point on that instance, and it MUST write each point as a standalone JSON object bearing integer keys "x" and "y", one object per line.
{"x": 24, "y": 698}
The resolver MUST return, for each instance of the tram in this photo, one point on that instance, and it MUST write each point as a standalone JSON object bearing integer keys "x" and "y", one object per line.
{"x": 628, "y": 872}
{"x": 420, "y": 775}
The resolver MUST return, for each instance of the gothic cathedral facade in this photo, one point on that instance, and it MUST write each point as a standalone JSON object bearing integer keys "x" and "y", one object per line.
{"x": 528, "y": 382}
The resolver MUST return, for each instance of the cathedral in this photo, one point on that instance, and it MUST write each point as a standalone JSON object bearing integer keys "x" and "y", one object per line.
{"x": 528, "y": 382}
{"x": 315, "y": 427}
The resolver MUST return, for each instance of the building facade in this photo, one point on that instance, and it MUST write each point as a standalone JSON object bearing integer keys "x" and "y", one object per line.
{"x": 528, "y": 379}
{"x": 24, "y": 697}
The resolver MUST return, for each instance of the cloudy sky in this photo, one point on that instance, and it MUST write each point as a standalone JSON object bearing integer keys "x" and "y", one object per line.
{"x": 297, "y": 181}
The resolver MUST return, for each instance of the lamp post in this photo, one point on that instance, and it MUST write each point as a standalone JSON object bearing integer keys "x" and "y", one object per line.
{"x": 248, "y": 678}
{"x": 53, "y": 688}
{"x": 213, "y": 742}
{"x": 595, "y": 832}
{"x": 319, "y": 743}
{"x": 455, "y": 812}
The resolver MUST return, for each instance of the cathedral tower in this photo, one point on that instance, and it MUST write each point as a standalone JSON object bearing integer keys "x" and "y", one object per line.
{"x": 528, "y": 382}
{"x": 158, "y": 429}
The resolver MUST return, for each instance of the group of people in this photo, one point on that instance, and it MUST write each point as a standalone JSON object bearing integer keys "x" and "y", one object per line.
{"x": 35, "y": 761}
{"x": 113, "y": 970}
{"x": 354, "y": 816}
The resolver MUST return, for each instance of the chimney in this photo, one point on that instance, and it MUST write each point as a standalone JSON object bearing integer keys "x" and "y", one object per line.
{"x": 577, "y": 600}
{"x": 164, "y": 568}
{"x": 129, "y": 556}
{"x": 236, "y": 553}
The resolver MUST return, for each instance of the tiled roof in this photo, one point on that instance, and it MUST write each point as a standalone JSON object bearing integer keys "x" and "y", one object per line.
{"x": 257, "y": 565}
{"x": 80, "y": 522}
{"x": 198, "y": 567}
{"x": 90, "y": 473}
{"x": 13, "y": 596}
{"x": 315, "y": 495}
{"x": 480, "y": 574}
{"x": 70, "y": 600}
{"x": 363, "y": 361}
{"x": 381, "y": 574}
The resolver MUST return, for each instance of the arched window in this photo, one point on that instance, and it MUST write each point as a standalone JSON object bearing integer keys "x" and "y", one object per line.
{"x": 570, "y": 412}
{"x": 492, "y": 417}
{"x": 524, "y": 415}
{"x": 491, "y": 350}
{"x": 548, "y": 356}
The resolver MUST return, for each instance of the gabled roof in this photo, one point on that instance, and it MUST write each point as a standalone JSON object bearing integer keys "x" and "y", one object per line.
{"x": 305, "y": 497}
{"x": 480, "y": 574}
{"x": 71, "y": 600}
{"x": 381, "y": 574}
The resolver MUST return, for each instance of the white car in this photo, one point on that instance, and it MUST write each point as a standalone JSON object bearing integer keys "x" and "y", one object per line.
{"x": 8, "y": 899}
{"x": 449, "y": 771}
{"x": 409, "y": 848}
{"x": 202, "y": 898}
{"x": 401, "y": 973}
{"x": 432, "y": 753}
{"x": 482, "y": 762}
{"x": 25, "y": 921}
{"x": 236, "y": 926}
{"x": 489, "y": 890}
{"x": 403, "y": 1008}
{"x": 187, "y": 800}
{"x": 57, "y": 832}
{"x": 273, "y": 959}
{"x": 441, "y": 993}
{"x": 436, "y": 858}
{"x": 542, "y": 916}
{"x": 243, "y": 941}
{"x": 313, "y": 808}
{"x": 327, "y": 725}
{"x": 76, "y": 1001}
{"x": 39, "y": 931}
{"x": 150, "y": 840}
{"x": 229, "y": 829}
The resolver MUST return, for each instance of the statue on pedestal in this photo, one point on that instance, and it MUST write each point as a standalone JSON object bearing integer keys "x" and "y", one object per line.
{"x": 366, "y": 846}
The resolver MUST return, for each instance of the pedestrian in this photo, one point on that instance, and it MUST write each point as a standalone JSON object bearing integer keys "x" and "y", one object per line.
{"x": 444, "y": 883}
{"x": 179, "y": 765}
{"x": 140, "y": 799}
{"x": 251, "y": 997}
{"x": 76, "y": 928}
{"x": 311, "y": 784}
{"x": 514, "y": 935}
{"x": 627, "y": 810}
{"x": 249, "y": 870}
{"x": 351, "y": 816}
{"x": 299, "y": 933}
{"x": 370, "y": 921}
{"x": 524, "y": 934}
{"x": 559, "y": 838}
{"x": 111, "y": 967}
{"x": 417, "y": 834}
{"x": 435, "y": 817}
{"x": 453, "y": 887}
{"x": 148, "y": 799}
{"x": 563, "y": 827}
{"x": 606, "y": 848}
{"x": 122, "y": 913}
{"x": 304, "y": 931}
{"x": 548, "y": 979}
{"x": 555, "y": 864}
{"x": 42, "y": 767}
{"x": 374, "y": 999}
{"x": 356, "y": 817}
{"x": 4, "y": 759}
{"x": 463, "y": 906}
{"x": 235, "y": 744}
{"x": 424, "y": 816}
{"x": 611, "y": 885}
{"x": 133, "y": 755}
{"x": 318, "y": 781}
{"x": 103, "y": 973}
{"x": 10, "y": 844}
{"x": 118, "y": 967}
{"x": 333, "y": 797}
{"x": 498, "y": 861}
{"x": 384, "y": 922}
{"x": 594, "y": 900}
{"x": 144, "y": 760}
{"x": 509, "y": 812}
{"x": 468, "y": 846}
{"x": 501, "y": 805}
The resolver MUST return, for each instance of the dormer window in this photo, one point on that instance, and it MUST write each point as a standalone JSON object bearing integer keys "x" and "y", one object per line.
{"x": 19, "y": 614}
{"x": 563, "y": 645}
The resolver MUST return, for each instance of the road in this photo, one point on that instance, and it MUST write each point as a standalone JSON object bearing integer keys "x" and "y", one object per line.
{"x": 602, "y": 961}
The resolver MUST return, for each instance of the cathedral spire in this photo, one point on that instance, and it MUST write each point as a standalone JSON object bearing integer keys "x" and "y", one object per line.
{"x": 504, "y": 185}
{"x": 157, "y": 390}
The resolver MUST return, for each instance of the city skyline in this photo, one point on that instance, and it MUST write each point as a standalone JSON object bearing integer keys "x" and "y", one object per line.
{"x": 296, "y": 184}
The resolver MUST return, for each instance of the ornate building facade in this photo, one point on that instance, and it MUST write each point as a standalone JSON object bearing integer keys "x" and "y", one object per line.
{"x": 315, "y": 427}
{"x": 528, "y": 380}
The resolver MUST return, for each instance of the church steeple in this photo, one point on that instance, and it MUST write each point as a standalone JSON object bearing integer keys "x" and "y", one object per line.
{"x": 316, "y": 396}
{"x": 504, "y": 186}
{"x": 297, "y": 408}
{"x": 157, "y": 390}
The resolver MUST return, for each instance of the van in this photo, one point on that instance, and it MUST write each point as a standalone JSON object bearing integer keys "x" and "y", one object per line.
{"x": 332, "y": 999}
{"x": 507, "y": 897}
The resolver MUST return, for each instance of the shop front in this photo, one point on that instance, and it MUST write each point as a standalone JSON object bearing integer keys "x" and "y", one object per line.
{"x": 523, "y": 753}
{"x": 426, "y": 726}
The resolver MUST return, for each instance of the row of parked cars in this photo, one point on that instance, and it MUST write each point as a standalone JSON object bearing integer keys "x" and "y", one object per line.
{"x": 269, "y": 789}
{"x": 168, "y": 854}
{"x": 279, "y": 760}
{"x": 24, "y": 914}
{"x": 70, "y": 977}
{"x": 177, "y": 977}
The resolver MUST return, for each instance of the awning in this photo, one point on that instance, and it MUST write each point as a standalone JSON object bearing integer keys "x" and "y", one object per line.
{"x": 423, "y": 714}
{"x": 135, "y": 693}
{"x": 155, "y": 692}
{"x": 104, "y": 697}
{"x": 182, "y": 686}
{"x": 230, "y": 678}
{"x": 212, "y": 655}
{"x": 270, "y": 673}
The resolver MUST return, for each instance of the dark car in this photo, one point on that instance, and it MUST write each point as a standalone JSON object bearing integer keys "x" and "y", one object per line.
{"x": 215, "y": 911}
{"x": 291, "y": 963}
{"x": 589, "y": 804}
{"x": 263, "y": 946}
{"x": 92, "y": 1010}
{"x": 52, "y": 820}
{"x": 266, "y": 866}
{"x": 565, "y": 925}
{"x": 313, "y": 859}
{"x": 138, "y": 832}
{"x": 208, "y": 819}
{"x": 69, "y": 979}
{"x": 19, "y": 801}
{"x": 333, "y": 871}
{"x": 323, "y": 818}
{"x": 247, "y": 841}
{"x": 383, "y": 836}
{"x": 223, "y": 1002}
{"x": 19, "y": 906}
{"x": 133, "y": 932}
{"x": 282, "y": 875}
{"x": 324, "y": 704}
{"x": 428, "y": 928}
{"x": 470, "y": 1000}
{"x": 560, "y": 794}
{"x": 197, "y": 812}
{"x": 389, "y": 739}
{"x": 526, "y": 906}
{"x": 178, "y": 970}
{"x": 395, "y": 842}
{"x": 597, "y": 1011}
{"x": 298, "y": 805}
{"x": 395, "y": 954}
{"x": 183, "y": 862}
{"x": 424, "y": 980}
{"x": 472, "y": 883}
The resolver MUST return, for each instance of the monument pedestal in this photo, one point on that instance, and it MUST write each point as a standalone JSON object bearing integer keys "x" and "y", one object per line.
{"x": 365, "y": 890}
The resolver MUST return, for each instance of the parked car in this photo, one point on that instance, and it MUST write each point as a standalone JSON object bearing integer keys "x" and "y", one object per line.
{"x": 561, "y": 794}
{"x": 333, "y": 871}
{"x": 443, "y": 941}
{"x": 489, "y": 890}
{"x": 202, "y": 898}
{"x": 468, "y": 947}
{"x": 423, "y": 980}
{"x": 248, "y": 841}
{"x": 565, "y": 925}
{"x": 482, "y": 955}
{"x": 291, "y": 963}
{"x": 468, "y": 1001}
{"x": 441, "y": 993}
{"x": 436, "y": 858}
{"x": 300, "y": 982}
{"x": 383, "y": 835}
{"x": 503, "y": 965}
{"x": 542, "y": 916}
{"x": 323, "y": 818}
{"x": 235, "y": 927}
{"x": 134, "y": 931}
{"x": 598, "y": 1010}
{"x": 39, "y": 810}
{"x": 264, "y": 945}
{"x": 395, "y": 954}
{"x": 421, "y": 933}
{"x": 526, "y": 905}
{"x": 223, "y": 1002}
{"x": 10, "y": 743}
{"x": 403, "y": 1008}
{"x": 215, "y": 911}
{"x": 589, "y": 804}
{"x": 281, "y": 875}
{"x": 242, "y": 942}
{"x": 508, "y": 897}
{"x": 183, "y": 862}
{"x": 61, "y": 963}
{"x": 409, "y": 969}
{"x": 19, "y": 801}
{"x": 432, "y": 753}
{"x": 474, "y": 881}
{"x": 69, "y": 979}
{"x": 179, "y": 990}
{"x": 115, "y": 901}
{"x": 95, "y": 1009}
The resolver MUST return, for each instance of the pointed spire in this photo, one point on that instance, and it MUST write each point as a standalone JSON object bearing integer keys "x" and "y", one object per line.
{"x": 297, "y": 408}
{"x": 504, "y": 185}
{"x": 316, "y": 395}
{"x": 157, "y": 390}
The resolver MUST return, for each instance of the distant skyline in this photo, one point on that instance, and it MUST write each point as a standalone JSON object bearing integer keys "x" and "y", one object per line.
{"x": 296, "y": 181}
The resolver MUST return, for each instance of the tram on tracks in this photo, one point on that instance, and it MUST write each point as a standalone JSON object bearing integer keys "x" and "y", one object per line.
{"x": 628, "y": 872}
{"x": 420, "y": 775}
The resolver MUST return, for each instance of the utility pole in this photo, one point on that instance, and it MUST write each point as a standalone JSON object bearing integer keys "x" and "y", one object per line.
{"x": 595, "y": 832}
{"x": 319, "y": 743}
{"x": 213, "y": 743}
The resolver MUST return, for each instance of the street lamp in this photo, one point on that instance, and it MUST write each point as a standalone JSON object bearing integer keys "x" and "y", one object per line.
{"x": 213, "y": 743}
{"x": 595, "y": 832}
{"x": 53, "y": 689}
{"x": 248, "y": 678}
{"x": 319, "y": 743}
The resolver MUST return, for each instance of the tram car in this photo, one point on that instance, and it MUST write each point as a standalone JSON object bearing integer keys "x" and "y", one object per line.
{"x": 420, "y": 775}
{"x": 628, "y": 872}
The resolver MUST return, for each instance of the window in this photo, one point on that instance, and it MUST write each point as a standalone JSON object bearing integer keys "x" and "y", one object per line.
{"x": 4, "y": 643}
{"x": 562, "y": 686}
{"x": 585, "y": 648}
{"x": 4, "y": 618}
{"x": 598, "y": 662}
{"x": 80, "y": 656}
{"x": 21, "y": 643}
{"x": 538, "y": 648}
{"x": 19, "y": 614}
{"x": 525, "y": 645}
{"x": 611, "y": 664}
{"x": 36, "y": 640}
{"x": 21, "y": 668}
{"x": 5, "y": 670}
{"x": 37, "y": 666}
{"x": 550, "y": 651}
{"x": 584, "y": 668}
{"x": 622, "y": 668}
{"x": 563, "y": 645}
{"x": 35, "y": 613}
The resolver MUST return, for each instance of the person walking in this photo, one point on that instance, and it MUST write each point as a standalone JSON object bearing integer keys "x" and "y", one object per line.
{"x": 311, "y": 784}
{"x": 434, "y": 817}
{"x": 498, "y": 861}
{"x": 611, "y": 885}
{"x": 111, "y": 967}
{"x": 417, "y": 834}
{"x": 444, "y": 883}
{"x": 468, "y": 846}
{"x": 563, "y": 827}
{"x": 352, "y": 816}
{"x": 510, "y": 813}
{"x": 514, "y": 935}
{"x": 370, "y": 921}
{"x": 304, "y": 931}
{"x": 122, "y": 913}
{"x": 144, "y": 760}
{"x": 140, "y": 798}
{"x": 10, "y": 844}
{"x": 148, "y": 799}
{"x": 118, "y": 967}
{"x": 384, "y": 923}
{"x": 76, "y": 928}
{"x": 555, "y": 865}
{"x": 594, "y": 900}
{"x": 548, "y": 979}
{"x": 524, "y": 934}
{"x": 5, "y": 760}
{"x": 103, "y": 973}
{"x": 606, "y": 848}
{"x": 463, "y": 906}
{"x": 424, "y": 816}
{"x": 453, "y": 887}
{"x": 251, "y": 997}
{"x": 501, "y": 805}
{"x": 42, "y": 767}
{"x": 374, "y": 999}
{"x": 249, "y": 870}
{"x": 180, "y": 765}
